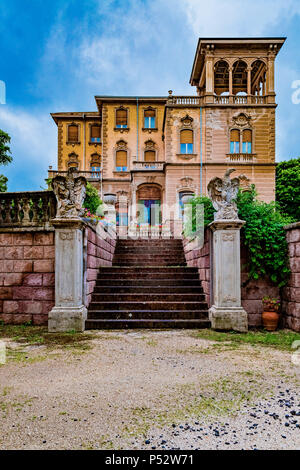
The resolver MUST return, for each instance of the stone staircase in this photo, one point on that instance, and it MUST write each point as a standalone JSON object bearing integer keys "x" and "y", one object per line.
{"x": 148, "y": 286}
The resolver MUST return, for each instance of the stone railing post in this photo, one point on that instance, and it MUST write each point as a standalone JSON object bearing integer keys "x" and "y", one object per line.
{"x": 226, "y": 312}
{"x": 69, "y": 312}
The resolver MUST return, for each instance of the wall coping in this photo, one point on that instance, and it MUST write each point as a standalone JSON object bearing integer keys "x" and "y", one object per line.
{"x": 41, "y": 228}
{"x": 292, "y": 226}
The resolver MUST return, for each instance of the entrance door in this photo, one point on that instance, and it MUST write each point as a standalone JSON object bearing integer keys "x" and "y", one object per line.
{"x": 149, "y": 212}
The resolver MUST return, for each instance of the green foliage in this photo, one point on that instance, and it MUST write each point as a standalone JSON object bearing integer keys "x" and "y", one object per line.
{"x": 288, "y": 187}
{"x": 5, "y": 158}
{"x": 3, "y": 184}
{"x": 264, "y": 236}
{"x": 92, "y": 200}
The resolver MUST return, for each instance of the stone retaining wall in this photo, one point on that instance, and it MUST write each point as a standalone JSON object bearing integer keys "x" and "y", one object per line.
{"x": 200, "y": 258}
{"x": 99, "y": 248}
{"x": 291, "y": 293}
{"x": 26, "y": 276}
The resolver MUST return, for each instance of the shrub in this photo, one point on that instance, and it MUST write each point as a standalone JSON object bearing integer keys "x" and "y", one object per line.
{"x": 288, "y": 187}
{"x": 92, "y": 200}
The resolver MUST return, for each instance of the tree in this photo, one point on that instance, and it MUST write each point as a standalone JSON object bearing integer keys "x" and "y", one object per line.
{"x": 5, "y": 158}
{"x": 288, "y": 187}
{"x": 92, "y": 200}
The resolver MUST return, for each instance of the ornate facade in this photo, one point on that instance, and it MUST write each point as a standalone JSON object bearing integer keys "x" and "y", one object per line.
{"x": 155, "y": 150}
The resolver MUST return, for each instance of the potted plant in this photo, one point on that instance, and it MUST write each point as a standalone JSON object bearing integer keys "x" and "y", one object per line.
{"x": 270, "y": 315}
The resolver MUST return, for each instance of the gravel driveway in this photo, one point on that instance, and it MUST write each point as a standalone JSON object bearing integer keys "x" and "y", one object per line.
{"x": 149, "y": 390}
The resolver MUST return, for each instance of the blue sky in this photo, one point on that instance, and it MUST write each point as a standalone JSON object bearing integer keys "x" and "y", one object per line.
{"x": 57, "y": 54}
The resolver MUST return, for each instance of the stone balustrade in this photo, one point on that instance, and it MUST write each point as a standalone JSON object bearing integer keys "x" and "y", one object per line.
{"x": 240, "y": 99}
{"x": 151, "y": 166}
{"x": 89, "y": 175}
{"x": 27, "y": 209}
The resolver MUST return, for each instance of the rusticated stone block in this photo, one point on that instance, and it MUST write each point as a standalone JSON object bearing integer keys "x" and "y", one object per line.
{"x": 91, "y": 249}
{"x": 33, "y": 280}
{"x": 23, "y": 238}
{"x": 6, "y": 318}
{"x": 294, "y": 280}
{"x": 295, "y": 265}
{"x": 49, "y": 252}
{"x": 6, "y": 293}
{"x": 47, "y": 307}
{"x": 6, "y": 239}
{"x": 33, "y": 252}
{"x": 292, "y": 249}
{"x": 91, "y": 274}
{"x": 14, "y": 252}
{"x": 7, "y": 266}
{"x": 31, "y": 306}
{"x": 19, "y": 319}
{"x": 1, "y": 306}
{"x": 44, "y": 293}
{"x": 43, "y": 238}
{"x": 254, "y": 320}
{"x": 293, "y": 236}
{"x": 49, "y": 279}
{"x": 297, "y": 250}
{"x": 10, "y": 306}
{"x": 13, "y": 279}
{"x": 256, "y": 291}
{"x": 40, "y": 320}
{"x": 23, "y": 266}
{"x": 43, "y": 266}
{"x": 252, "y": 306}
{"x": 24, "y": 293}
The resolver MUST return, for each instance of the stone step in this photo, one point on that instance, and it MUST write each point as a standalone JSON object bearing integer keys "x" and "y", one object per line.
{"x": 147, "y": 305}
{"x": 144, "y": 323}
{"x": 156, "y": 263}
{"x": 149, "y": 249}
{"x": 148, "y": 269}
{"x": 156, "y": 274}
{"x": 148, "y": 314}
{"x": 137, "y": 282}
{"x": 138, "y": 289}
{"x": 146, "y": 297}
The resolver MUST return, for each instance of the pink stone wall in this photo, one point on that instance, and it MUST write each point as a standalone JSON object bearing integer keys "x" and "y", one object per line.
{"x": 291, "y": 293}
{"x": 26, "y": 276}
{"x": 100, "y": 248}
{"x": 200, "y": 258}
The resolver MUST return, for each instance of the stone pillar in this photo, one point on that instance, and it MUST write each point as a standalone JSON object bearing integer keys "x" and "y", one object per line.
{"x": 69, "y": 312}
{"x": 230, "y": 81}
{"x": 248, "y": 82}
{"x": 226, "y": 312}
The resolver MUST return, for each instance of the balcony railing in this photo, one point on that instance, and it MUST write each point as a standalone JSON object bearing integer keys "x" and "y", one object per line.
{"x": 89, "y": 175}
{"x": 244, "y": 157}
{"x": 240, "y": 99}
{"x": 27, "y": 209}
{"x": 150, "y": 166}
{"x": 185, "y": 100}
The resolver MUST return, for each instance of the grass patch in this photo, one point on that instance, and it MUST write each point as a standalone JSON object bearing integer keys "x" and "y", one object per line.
{"x": 281, "y": 339}
{"x": 38, "y": 335}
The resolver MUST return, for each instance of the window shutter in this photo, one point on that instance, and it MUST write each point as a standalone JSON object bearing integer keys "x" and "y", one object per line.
{"x": 96, "y": 132}
{"x": 186, "y": 136}
{"x": 149, "y": 156}
{"x": 235, "y": 135}
{"x": 73, "y": 133}
{"x": 121, "y": 117}
{"x": 121, "y": 158}
{"x": 247, "y": 135}
{"x": 149, "y": 113}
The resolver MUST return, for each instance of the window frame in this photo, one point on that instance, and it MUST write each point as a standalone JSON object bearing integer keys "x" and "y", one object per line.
{"x": 95, "y": 141}
{"x": 192, "y": 152}
{"x": 122, "y": 126}
{"x": 73, "y": 142}
{"x": 150, "y": 108}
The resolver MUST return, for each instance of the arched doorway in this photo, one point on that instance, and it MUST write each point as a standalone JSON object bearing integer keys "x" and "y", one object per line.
{"x": 149, "y": 204}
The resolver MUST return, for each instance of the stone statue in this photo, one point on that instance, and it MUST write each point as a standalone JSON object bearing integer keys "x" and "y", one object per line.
{"x": 70, "y": 193}
{"x": 223, "y": 193}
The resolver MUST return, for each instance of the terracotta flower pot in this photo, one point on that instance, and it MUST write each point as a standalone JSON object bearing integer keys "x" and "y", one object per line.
{"x": 270, "y": 320}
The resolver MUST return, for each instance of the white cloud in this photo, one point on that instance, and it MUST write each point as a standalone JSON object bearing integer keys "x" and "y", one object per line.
{"x": 33, "y": 145}
{"x": 235, "y": 17}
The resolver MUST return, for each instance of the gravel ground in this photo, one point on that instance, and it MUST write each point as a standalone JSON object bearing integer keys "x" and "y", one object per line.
{"x": 149, "y": 390}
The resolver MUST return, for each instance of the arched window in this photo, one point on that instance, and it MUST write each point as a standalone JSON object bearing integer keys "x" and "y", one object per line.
{"x": 149, "y": 156}
{"x": 247, "y": 141}
{"x": 121, "y": 160}
{"x": 186, "y": 141}
{"x": 221, "y": 80}
{"x": 95, "y": 133}
{"x": 121, "y": 118}
{"x": 184, "y": 196}
{"x": 234, "y": 141}
{"x": 149, "y": 119}
{"x": 239, "y": 77}
{"x": 73, "y": 133}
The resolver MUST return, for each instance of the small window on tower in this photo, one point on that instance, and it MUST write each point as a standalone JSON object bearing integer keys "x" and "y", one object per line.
{"x": 247, "y": 141}
{"x": 234, "y": 141}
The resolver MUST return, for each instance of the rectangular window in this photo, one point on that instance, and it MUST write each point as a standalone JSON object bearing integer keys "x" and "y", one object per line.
{"x": 121, "y": 118}
{"x": 234, "y": 141}
{"x": 247, "y": 141}
{"x": 186, "y": 148}
{"x": 95, "y": 134}
{"x": 149, "y": 119}
{"x": 73, "y": 133}
{"x": 96, "y": 171}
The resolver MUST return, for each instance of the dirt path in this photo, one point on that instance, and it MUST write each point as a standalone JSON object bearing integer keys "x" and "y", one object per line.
{"x": 149, "y": 389}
